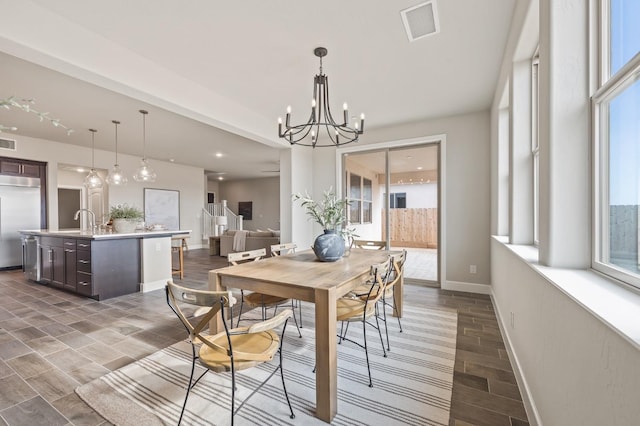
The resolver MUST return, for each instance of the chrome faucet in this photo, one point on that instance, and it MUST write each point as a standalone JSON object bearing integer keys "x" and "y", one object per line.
{"x": 92, "y": 218}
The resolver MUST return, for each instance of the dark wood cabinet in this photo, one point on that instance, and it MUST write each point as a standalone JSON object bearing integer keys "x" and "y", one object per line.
{"x": 52, "y": 261}
{"x": 100, "y": 269}
{"x": 70, "y": 259}
{"x": 19, "y": 168}
{"x": 84, "y": 283}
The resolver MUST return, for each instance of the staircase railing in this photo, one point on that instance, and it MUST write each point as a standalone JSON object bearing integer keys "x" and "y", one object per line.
{"x": 213, "y": 210}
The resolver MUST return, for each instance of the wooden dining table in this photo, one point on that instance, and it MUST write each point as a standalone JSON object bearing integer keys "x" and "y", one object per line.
{"x": 301, "y": 276}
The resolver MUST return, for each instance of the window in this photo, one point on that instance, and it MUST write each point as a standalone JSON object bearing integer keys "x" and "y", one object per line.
{"x": 617, "y": 144}
{"x": 355, "y": 195}
{"x": 360, "y": 199}
{"x": 398, "y": 200}
{"x": 367, "y": 200}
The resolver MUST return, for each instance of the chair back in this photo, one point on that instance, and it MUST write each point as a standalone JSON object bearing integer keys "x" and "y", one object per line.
{"x": 397, "y": 267}
{"x": 279, "y": 249}
{"x": 246, "y": 256}
{"x": 370, "y": 244}
{"x": 178, "y": 297}
{"x": 378, "y": 276}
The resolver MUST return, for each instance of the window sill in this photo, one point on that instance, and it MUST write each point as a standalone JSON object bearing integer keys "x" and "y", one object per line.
{"x": 615, "y": 305}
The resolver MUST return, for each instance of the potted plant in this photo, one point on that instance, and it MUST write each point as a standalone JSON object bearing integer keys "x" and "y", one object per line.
{"x": 330, "y": 213}
{"x": 125, "y": 218}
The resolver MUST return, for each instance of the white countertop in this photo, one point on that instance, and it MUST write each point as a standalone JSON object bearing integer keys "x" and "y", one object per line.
{"x": 75, "y": 233}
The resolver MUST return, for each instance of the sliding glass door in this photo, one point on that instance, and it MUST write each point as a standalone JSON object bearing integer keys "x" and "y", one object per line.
{"x": 394, "y": 196}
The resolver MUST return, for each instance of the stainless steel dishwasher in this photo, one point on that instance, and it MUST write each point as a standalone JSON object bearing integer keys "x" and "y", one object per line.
{"x": 30, "y": 257}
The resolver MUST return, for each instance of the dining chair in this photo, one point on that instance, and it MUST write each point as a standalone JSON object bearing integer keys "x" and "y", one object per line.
{"x": 361, "y": 307}
{"x": 370, "y": 244}
{"x": 256, "y": 299}
{"x": 231, "y": 350}
{"x": 395, "y": 275}
{"x": 283, "y": 249}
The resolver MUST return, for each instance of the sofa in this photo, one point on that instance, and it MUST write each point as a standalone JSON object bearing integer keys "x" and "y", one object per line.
{"x": 254, "y": 240}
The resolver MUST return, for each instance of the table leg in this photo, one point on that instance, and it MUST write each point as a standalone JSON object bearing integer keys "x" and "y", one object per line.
{"x": 398, "y": 292}
{"x": 326, "y": 355}
{"x": 215, "y": 325}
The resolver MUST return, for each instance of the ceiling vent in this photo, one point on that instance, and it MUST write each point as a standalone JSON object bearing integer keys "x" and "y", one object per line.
{"x": 421, "y": 20}
{"x": 9, "y": 144}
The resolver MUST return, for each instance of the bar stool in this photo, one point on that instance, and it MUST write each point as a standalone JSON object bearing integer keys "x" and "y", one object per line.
{"x": 179, "y": 270}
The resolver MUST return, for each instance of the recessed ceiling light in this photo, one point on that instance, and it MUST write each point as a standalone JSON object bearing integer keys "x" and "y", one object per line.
{"x": 419, "y": 167}
{"x": 171, "y": 160}
{"x": 218, "y": 154}
{"x": 220, "y": 178}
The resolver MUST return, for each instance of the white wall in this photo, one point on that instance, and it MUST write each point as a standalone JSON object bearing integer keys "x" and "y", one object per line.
{"x": 575, "y": 368}
{"x": 467, "y": 189}
{"x": 419, "y": 196}
{"x": 263, "y": 193}
{"x": 186, "y": 179}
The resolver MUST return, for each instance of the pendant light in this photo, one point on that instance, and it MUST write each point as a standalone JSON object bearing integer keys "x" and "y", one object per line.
{"x": 93, "y": 180}
{"x": 144, "y": 173}
{"x": 116, "y": 177}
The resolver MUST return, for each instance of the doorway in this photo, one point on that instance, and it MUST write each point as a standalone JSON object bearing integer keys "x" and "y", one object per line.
{"x": 68, "y": 205}
{"x": 394, "y": 196}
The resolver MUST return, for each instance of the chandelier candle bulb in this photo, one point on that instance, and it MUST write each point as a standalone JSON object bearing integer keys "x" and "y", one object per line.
{"x": 346, "y": 113}
{"x": 362, "y": 122}
{"x": 280, "y": 126}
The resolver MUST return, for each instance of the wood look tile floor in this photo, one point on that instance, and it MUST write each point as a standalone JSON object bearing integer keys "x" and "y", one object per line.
{"x": 52, "y": 341}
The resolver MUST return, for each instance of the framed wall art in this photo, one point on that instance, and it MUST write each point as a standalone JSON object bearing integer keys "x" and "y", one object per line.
{"x": 245, "y": 208}
{"x": 162, "y": 207}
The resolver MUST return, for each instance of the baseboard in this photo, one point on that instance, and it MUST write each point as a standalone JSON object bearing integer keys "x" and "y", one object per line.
{"x": 152, "y": 285}
{"x": 467, "y": 287}
{"x": 527, "y": 399}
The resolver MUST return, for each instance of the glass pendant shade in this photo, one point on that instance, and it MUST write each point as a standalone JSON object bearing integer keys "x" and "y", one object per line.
{"x": 93, "y": 179}
{"x": 144, "y": 173}
{"x": 115, "y": 176}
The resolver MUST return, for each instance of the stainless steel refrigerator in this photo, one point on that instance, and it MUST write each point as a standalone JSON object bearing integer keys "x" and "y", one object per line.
{"x": 19, "y": 210}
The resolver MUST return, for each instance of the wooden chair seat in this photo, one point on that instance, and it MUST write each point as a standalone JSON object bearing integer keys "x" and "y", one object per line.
{"x": 348, "y": 309}
{"x": 259, "y": 347}
{"x": 256, "y": 300}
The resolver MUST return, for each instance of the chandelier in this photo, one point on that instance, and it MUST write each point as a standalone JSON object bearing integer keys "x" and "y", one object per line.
{"x": 339, "y": 134}
{"x": 144, "y": 173}
{"x": 93, "y": 180}
{"x": 116, "y": 177}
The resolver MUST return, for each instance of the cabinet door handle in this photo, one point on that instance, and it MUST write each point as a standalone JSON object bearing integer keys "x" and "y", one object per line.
{"x": 69, "y": 250}
{"x": 50, "y": 255}
{"x": 84, "y": 283}
{"x": 83, "y": 245}
{"x": 83, "y": 261}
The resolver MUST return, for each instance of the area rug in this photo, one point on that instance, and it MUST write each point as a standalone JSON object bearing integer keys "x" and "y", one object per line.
{"x": 412, "y": 386}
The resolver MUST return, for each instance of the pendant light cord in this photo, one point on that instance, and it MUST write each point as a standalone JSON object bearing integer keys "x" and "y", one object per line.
{"x": 116, "y": 123}
{"x": 93, "y": 147}
{"x": 144, "y": 133}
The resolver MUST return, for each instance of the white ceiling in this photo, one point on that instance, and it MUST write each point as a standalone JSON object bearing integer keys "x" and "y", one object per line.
{"x": 199, "y": 67}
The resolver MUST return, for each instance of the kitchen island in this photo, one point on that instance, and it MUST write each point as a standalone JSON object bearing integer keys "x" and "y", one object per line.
{"x": 101, "y": 265}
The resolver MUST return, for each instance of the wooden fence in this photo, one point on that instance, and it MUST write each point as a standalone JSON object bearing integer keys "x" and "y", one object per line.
{"x": 413, "y": 227}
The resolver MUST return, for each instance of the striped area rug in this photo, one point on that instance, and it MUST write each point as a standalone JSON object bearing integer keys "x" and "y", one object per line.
{"x": 412, "y": 386}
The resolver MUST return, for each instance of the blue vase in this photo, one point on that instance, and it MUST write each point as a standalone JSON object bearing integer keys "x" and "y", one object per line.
{"x": 329, "y": 246}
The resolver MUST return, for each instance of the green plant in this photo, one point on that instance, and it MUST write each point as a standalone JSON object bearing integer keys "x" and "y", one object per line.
{"x": 329, "y": 213}
{"x": 123, "y": 211}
